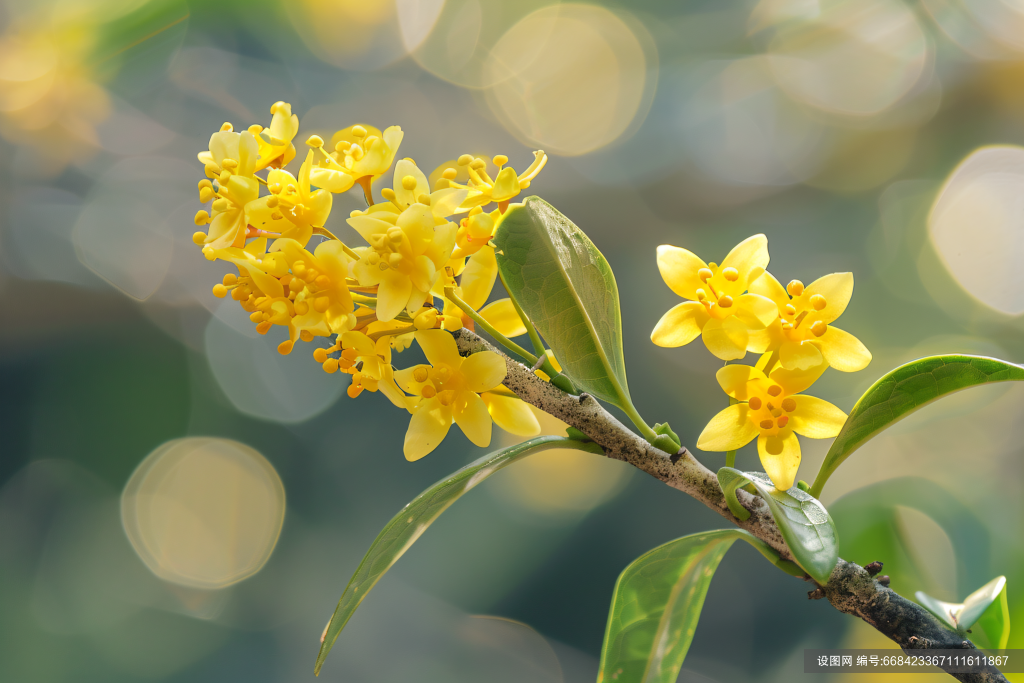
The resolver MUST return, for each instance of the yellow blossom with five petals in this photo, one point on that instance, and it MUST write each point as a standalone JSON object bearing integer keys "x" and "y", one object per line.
{"x": 803, "y": 334}
{"x": 718, "y": 309}
{"x": 448, "y": 389}
{"x": 504, "y": 187}
{"x": 231, "y": 161}
{"x": 772, "y": 409}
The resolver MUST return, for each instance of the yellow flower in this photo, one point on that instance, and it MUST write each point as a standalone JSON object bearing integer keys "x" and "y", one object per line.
{"x": 369, "y": 363}
{"x": 804, "y": 335}
{"x": 772, "y": 409}
{"x": 448, "y": 389}
{"x": 475, "y": 231}
{"x": 503, "y": 188}
{"x": 511, "y": 413}
{"x": 231, "y": 161}
{"x": 361, "y": 154}
{"x": 292, "y": 209}
{"x": 291, "y": 287}
{"x": 718, "y": 309}
{"x": 410, "y": 240}
{"x": 276, "y": 148}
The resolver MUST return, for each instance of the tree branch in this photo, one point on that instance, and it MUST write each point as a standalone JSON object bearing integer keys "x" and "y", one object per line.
{"x": 851, "y": 589}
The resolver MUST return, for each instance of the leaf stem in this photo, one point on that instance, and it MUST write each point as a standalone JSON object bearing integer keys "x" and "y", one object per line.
{"x": 556, "y": 379}
{"x": 538, "y": 345}
{"x": 645, "y": 429}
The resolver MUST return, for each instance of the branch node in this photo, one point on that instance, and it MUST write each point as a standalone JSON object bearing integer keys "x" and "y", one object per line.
{"x": 873, "y": 568}
{"x": 884, "y": 580}
{"x": 816, "y": 594}
{"x": 674, "y": 458}
{"x": 582, "y": 397}
{"x": 919, "y": 643}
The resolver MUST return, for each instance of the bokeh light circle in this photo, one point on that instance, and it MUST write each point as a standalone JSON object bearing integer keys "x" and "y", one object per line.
{"x": 560, "y": 482}
{"x": 452, "y": 39}
{"x": 569, "y": 78}
{"x": 257, "y": 379}
{"x": 203, "y": 512}
{"x": 854, "y": 59}
{"x": 977, "y": 226}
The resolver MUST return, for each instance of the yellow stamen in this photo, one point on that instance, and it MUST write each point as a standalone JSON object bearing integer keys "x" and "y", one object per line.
{"x": 795, "y": 288}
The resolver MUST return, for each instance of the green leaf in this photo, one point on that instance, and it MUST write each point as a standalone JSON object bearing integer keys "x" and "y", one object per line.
{"x": 986, "y": 609}
{"x": 567, "y": 289}
{"x": 904, "y": 390}
{"x": 657, "y": 602}
{"x": 992, "y": 630}
{"x": 805, "y": 524}
{"x": 407, "y": 526}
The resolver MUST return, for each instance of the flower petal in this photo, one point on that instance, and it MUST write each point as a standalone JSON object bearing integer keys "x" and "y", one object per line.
{"x": 768, "y": 286}
{"x": 799, "y": 355}
{"x": 502, "y": 315}
{"x": 756, "y": 311}
{"x": 406, "y": 168}
{"x": 680, "y": 325}
{"x": 363, "y": 345}
{"x": 837, "y": 288}
{"x": 729, "y": 430}
{"x": 816, "y": 418}
{"x": 796, "y": 381}
{"x": 470, "y": 413}
{"x": 768, "y": 339}
{"x": 843, "y": 351}
{"x": 407, "y": 380}
{"x": 440, "y": 349}
{"x": 511, "y": 414}
{"x": 780, "y": 458}
{"x": 478, "y": 277}
{"x": 392, "y": 295}
{"x": 727, "y": 339}
{"x": 749, "y": 257}
{"x": 427, "y": 428}
{"x": 679, "y": 270}
{"x": 482, "y": 371}
{"x": 734, "y": 380}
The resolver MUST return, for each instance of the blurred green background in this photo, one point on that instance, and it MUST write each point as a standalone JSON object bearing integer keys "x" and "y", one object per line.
{"x": 872, "y": 136}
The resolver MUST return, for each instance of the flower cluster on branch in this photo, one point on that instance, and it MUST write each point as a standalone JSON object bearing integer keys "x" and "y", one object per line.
{"x": 427, "y": 258}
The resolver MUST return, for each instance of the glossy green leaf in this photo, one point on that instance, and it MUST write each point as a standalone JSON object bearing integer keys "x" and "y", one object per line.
{"x": 805, "y": 524}
{"x": 904, "y": 390}
{"x": 567, "y": 289}
{"x": 407, "y": 526}
{"x": 657, "y": 602}
{"x": 985, "y": 611}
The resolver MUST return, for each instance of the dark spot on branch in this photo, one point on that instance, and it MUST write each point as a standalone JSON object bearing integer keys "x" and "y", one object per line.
{"x": 674, "y": 458}
{"x": 873, "y": 568}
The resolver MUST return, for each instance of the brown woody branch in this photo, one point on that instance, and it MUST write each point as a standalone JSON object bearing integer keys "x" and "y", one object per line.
{"x": 851, "y": 588}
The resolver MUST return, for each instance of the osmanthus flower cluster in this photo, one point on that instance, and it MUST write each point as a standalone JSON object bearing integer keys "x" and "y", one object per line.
{"x": 427, "y": 260}
{"x": 739, "y": 307}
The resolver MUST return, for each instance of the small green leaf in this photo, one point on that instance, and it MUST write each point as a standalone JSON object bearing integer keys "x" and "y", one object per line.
{"x": 805, "y": 524}
{"x": 657, "y": 602}
{"x": 986, "y": 609}
{"x": 992, "y": 630}
{"x": 904, "y": 390}
{"x": 406, "y": 527}
{"x": 567, "y": 289}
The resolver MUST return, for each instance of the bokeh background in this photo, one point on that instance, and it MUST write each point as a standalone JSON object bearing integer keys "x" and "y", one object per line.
{"x": 872, "y": 136}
